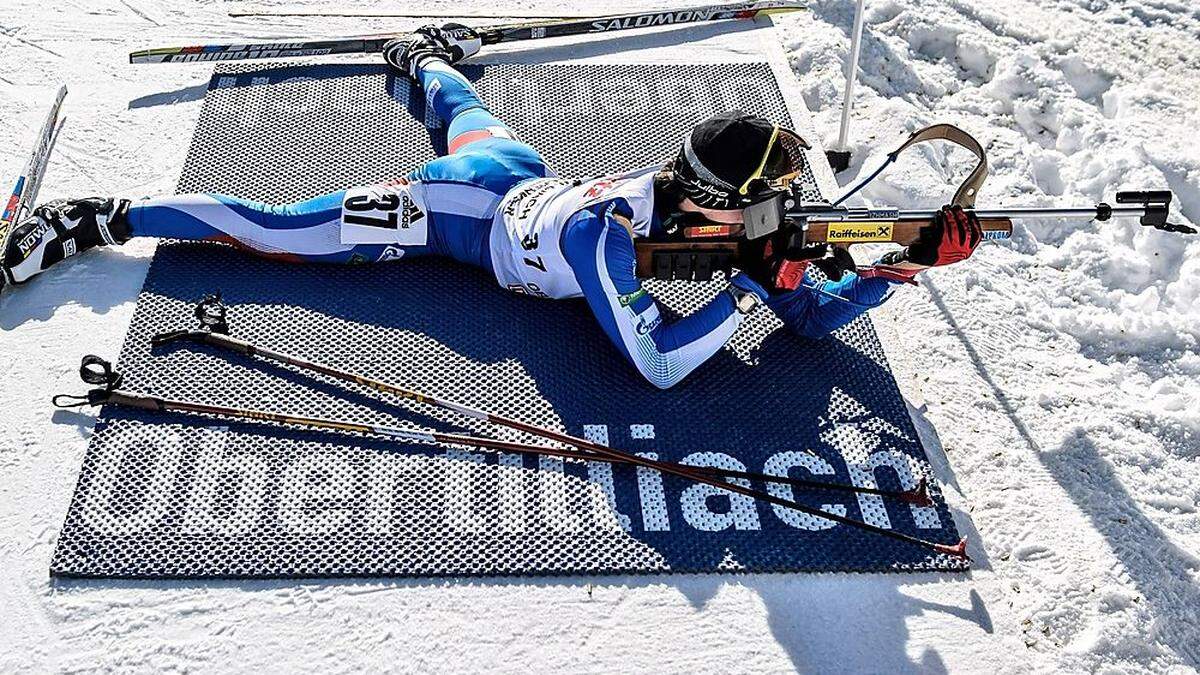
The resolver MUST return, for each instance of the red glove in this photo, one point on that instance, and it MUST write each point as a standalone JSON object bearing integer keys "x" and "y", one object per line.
{"x": 788, "y": 270}
{"x": 953, "y": 236}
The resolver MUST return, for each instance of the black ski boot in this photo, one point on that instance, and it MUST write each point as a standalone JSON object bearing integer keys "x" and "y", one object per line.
{"x": 59, "y": 230}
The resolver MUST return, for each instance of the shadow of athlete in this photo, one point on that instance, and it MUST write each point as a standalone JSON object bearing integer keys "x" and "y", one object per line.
{"x": 492, "y": 202}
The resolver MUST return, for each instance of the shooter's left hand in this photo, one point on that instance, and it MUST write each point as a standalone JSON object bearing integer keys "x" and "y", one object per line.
{"x": 952, "y": 237}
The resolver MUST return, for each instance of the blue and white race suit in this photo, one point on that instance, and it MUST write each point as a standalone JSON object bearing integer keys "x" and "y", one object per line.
{"x": 493, "y": 202}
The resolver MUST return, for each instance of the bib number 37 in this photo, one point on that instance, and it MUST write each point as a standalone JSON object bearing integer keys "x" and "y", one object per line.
{"x": 384, "y": 214}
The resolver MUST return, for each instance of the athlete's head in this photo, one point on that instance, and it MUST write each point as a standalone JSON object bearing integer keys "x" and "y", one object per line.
{"x": 731, "y": 161}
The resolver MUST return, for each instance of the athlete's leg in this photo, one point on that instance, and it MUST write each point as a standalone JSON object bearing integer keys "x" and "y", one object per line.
{"x": 452, "y": 98}
{"x": 469, "y": 121}
{"x": 307, "y": 231}
{"x": 463, "y": 190}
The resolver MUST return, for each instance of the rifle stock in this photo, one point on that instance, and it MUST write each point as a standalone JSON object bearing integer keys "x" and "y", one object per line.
{"x": 698, "y": 254}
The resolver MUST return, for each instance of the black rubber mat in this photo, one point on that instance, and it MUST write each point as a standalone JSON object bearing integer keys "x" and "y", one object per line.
{"x": 168, "y": 495}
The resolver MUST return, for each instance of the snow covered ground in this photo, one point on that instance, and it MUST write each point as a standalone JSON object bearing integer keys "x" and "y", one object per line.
{"x": 1058, "y": 374}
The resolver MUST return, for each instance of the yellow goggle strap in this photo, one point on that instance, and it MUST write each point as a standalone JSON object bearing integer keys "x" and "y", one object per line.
{"x": 763, "y": 163}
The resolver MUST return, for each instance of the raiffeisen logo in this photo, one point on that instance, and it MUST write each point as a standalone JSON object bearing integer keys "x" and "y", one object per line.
{"x": 855, "y": 232}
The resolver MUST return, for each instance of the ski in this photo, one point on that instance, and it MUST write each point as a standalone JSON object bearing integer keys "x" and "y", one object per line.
{"x": 527, "y": 30}
{"x": 430, "y": 14}
{"x": 30, "y": 180}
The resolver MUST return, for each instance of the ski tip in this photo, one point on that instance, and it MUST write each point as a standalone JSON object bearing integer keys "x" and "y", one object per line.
{"x": 958, "y": 550}
{"x": 919, "y": 495}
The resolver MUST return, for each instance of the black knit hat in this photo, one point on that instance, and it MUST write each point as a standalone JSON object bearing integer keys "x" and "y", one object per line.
{"x": 722, "y": 153}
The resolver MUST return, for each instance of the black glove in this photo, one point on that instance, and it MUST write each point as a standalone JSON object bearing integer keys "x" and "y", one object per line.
{"x": 452, "y": 42}
{"x": 837, "y": 264}
{"x": 953, "y": 235}
{"x": 783, "y": 271}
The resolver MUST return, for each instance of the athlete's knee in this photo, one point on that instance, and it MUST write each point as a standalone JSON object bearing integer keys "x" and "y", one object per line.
{"x": 473, "y": 125}
{"x": 447, "y": 91}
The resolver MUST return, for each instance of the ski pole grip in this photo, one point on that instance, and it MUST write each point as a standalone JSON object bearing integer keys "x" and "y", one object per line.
{"x": 169, "y": 337}
{"x": 133, "y": 401}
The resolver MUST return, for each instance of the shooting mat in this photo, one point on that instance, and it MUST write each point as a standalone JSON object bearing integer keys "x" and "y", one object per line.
{"x": 168, "y": 495}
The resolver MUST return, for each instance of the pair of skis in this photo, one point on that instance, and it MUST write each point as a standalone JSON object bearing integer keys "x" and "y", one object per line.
{"x": 491, "y": 35}
{"x": 213, "y": 332}
{"x": 20, "y": 201}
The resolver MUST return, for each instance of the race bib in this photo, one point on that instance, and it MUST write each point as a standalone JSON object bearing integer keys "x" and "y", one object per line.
{"x": 385, "y": 214}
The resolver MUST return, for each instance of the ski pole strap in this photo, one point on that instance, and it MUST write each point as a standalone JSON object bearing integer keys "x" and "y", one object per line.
{"x": 93, "y": 370}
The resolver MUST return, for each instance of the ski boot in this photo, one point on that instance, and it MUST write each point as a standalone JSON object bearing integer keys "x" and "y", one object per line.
{"x": 59, "y": 230}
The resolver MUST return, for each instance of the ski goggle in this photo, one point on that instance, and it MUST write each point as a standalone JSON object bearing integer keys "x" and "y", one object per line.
{"x": 793, "y": 147}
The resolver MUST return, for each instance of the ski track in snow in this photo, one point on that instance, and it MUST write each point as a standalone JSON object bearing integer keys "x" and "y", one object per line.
{"x": 1058, "y": 372}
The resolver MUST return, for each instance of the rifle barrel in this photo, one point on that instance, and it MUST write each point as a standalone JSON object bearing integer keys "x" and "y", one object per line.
{"x": 858, "y": 214}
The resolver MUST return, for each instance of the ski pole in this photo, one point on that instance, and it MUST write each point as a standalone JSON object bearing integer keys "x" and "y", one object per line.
{"x": 98, "y": 371}
{"x": 212, "y": 314}
{"x": 146, "y": 402}
{"x": 95, "y": 370}
{"x": 525, "y": 30}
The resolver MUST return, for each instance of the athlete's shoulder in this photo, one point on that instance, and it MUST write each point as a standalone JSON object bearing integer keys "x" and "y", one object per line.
{"x": 600, "y": 217}
{"x": 629, "y": 196}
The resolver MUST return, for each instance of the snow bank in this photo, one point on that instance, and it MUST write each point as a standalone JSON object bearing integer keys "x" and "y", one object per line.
{"x": 1087, "y": 333}
{"x": 1058, "y": 371}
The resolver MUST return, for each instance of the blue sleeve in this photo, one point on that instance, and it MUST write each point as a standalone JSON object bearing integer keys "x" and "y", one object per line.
{"x": 601, "y": 254}
{"x": 816, "y": 310}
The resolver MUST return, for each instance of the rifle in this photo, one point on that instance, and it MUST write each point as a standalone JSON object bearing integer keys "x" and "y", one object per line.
{"x": 694, "y": 253}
